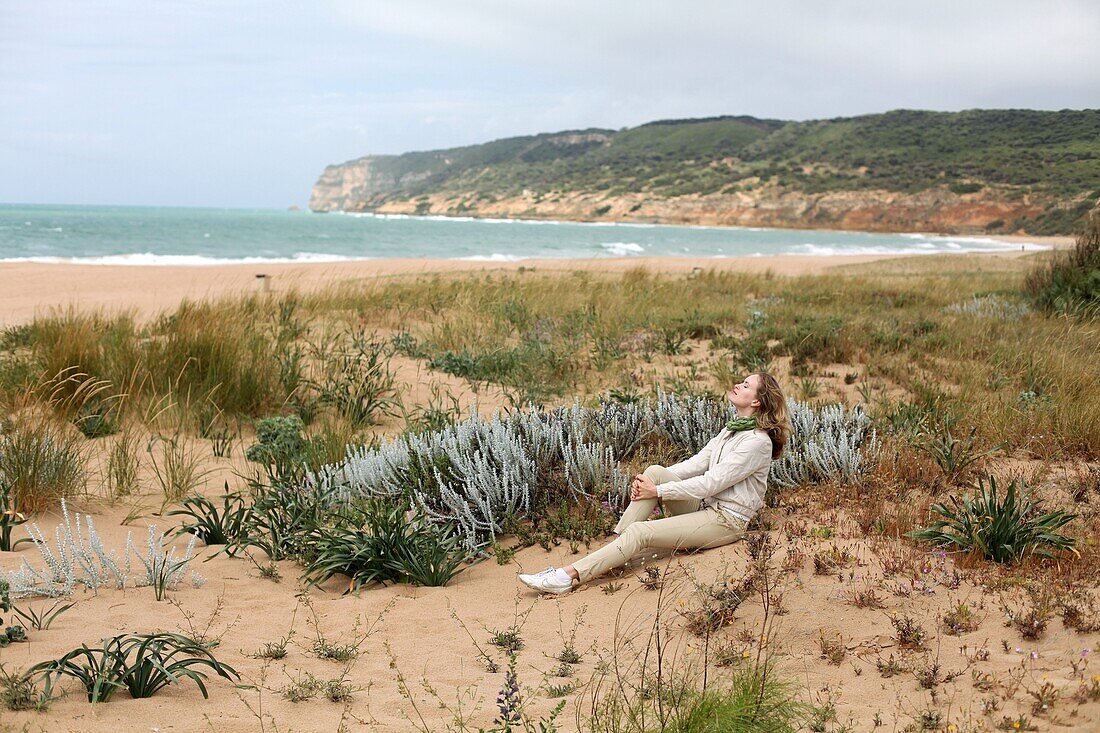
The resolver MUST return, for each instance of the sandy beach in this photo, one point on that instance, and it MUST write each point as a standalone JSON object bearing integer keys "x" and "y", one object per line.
{"x": 28, "y": 288}
{"x": 396, "y": 682}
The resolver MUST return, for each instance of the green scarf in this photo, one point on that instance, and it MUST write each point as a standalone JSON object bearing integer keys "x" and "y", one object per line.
{"x": 738, "y": 424}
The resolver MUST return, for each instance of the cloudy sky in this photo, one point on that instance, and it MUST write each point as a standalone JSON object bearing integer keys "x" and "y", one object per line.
{"x": 230, "y": 103}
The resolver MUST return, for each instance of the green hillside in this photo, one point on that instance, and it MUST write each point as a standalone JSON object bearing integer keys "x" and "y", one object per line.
{"x": 1004, "y": 153}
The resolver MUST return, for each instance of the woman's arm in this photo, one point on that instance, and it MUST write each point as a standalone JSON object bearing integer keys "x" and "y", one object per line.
{"x": 699, "y": 462}
{"x": 752, "y": 455}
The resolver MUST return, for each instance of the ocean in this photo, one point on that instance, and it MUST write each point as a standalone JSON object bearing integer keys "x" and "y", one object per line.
{"x": 132, "y": 235}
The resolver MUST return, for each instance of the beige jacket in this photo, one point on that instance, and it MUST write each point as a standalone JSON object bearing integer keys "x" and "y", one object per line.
{"x": 731, "y": 472}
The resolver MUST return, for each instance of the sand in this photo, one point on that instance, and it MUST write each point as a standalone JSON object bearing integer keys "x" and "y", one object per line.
{"x": 430, "y": 637}
{"x": 418, "y": 633}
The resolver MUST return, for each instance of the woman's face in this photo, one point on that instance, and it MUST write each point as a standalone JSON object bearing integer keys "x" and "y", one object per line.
{"x": 743, "y": 396}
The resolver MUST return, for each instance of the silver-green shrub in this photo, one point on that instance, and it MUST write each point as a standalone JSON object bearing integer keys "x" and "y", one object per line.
{"x": 474, "y": 474}
{"x": 690, "y": 422}
{"x": 827, "y": 444}
{"x": 79, "y": 557}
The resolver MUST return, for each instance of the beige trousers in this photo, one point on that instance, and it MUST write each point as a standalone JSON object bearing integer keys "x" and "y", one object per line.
{"x": 688, "y": 527}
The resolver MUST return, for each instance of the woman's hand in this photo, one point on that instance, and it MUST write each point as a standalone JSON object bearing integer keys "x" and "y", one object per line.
{"x": 642, "y": 488}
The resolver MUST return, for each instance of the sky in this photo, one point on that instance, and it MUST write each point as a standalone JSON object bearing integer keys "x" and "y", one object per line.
{"x": 243, "y": 104}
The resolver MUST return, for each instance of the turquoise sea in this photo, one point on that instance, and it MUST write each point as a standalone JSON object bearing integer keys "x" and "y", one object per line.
{"x": 130, "y": 235}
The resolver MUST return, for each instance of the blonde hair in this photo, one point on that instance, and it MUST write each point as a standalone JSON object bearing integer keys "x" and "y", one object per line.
{"x": 771, "y": 416}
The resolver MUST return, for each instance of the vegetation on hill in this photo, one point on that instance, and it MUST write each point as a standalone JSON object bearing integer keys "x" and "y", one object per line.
{"x": 1069, "y": 282}
{"x": 1004, "y": 154}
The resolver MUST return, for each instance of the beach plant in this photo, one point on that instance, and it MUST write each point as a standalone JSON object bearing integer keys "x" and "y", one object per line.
{"x": 440, "y": 410}
{"x": 829, "y": 443}
{"x": 991, "y": 305}
{"x": 955, "y": 456}
{"x": 9, "y": 519}
{"x": 176, "y": 468}
{"x": 283, "y": 517}
{"x": 749, "y": 697}
{"x": 591, "y": 468}
{"x": 622, "y": 427}
{"x": 374, "y": 541}
{"x": 164, "y": 570}
{"x": 309, "y": 686}
{"x": 225, "y": 526}
{"x": 281, "y": 448}
{"x": 273, "y": 649}
{"x": 122, "y": 465}
{"x": 813, "y": 338}
{"x": 18, "y": 691}
{"x": 511, "y": 716}
{"x": 1069, "y": 281}
{"x": 690, "y": 422}
{"x": 13, "y": 633}
{"x": 40, "y": 464}
{"x": 141, "y": 663}
{"x": 79, "y": 556}
{"x": 357, "y": 379}
{"x": 478, "y": 473}
{"x": 40, "y": 620}
{"x": 1004, "y": 528}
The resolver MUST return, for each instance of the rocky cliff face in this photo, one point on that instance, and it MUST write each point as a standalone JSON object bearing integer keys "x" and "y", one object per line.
{"x": 872, "y": 210}
{"x": 346, "y": 186}
{"x": 353, "y": 187}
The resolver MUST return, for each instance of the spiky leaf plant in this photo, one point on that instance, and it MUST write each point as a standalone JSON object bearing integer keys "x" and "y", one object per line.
{"x": 142, "y": 663}
{"x": 1003, "y": 529}
{"x": 375, "y": 542}
{"x": 214, "y": 526}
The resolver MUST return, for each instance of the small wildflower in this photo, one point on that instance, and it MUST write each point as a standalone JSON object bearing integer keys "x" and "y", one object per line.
{"x": 745, "y": 655}
{"x": 1034, "y": 655}
{"x": 1016, "y": 724}
{"x": 951, "y": 728}
{"x": 1086, "y": 651}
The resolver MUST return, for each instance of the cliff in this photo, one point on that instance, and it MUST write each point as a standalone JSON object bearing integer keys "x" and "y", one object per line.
{"x": 978, "y": 171}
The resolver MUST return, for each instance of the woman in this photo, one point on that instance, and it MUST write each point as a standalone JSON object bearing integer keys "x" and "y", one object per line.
{"x": 708, "y": 500}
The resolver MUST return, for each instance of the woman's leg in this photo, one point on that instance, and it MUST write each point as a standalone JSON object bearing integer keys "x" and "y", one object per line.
{"x": 698, "y": 530}
{"x": 640, "y": 510}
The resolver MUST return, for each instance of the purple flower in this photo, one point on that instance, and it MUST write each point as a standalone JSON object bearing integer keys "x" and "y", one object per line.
{"x": 508, "y": 701}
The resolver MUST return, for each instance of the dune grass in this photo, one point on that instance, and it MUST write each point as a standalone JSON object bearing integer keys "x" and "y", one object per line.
{"x": 930, "y": 340}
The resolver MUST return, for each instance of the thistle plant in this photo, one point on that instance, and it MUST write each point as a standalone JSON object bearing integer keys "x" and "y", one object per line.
{"x": 1003, "y": 529}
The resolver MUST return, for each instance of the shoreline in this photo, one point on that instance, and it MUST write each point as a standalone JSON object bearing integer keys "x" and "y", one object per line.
{"x": 29, "y": 289}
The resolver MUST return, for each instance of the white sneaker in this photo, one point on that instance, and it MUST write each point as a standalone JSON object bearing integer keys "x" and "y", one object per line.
{"x": 546, "y": 581}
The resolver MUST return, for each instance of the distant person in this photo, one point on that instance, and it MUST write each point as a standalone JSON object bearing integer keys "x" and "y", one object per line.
{"x": 708, "y": 500}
